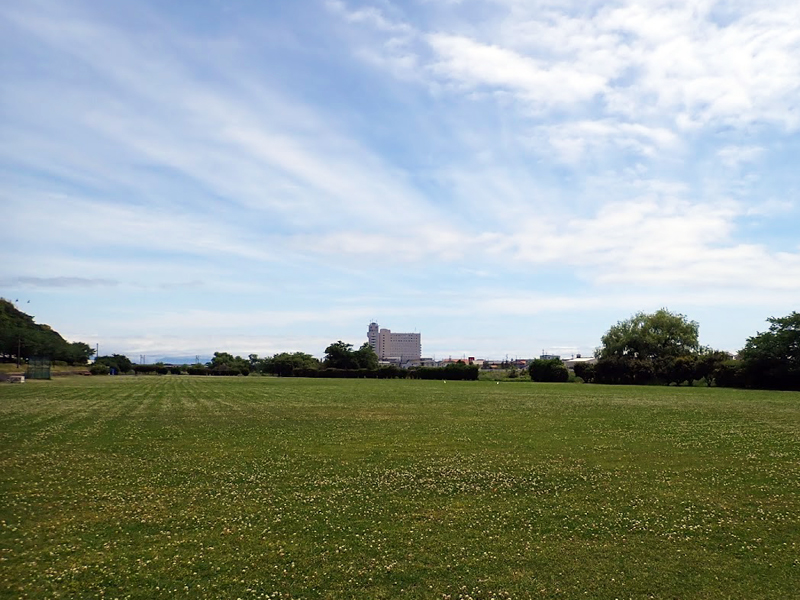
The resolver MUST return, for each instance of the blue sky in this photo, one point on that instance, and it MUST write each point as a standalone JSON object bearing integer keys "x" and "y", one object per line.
{"x": 503, "y": 176}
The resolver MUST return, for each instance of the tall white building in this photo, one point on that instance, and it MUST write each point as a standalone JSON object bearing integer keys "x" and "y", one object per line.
{"x": 405, "y": 346}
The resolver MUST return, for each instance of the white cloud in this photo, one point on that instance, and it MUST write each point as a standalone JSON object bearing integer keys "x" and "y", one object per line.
{"x": 572, "y": 141}
{"x": 677, "y": 63}
{"x": 470, "y": 64}
{"x": 734, "y": 156}
{"x": 637, "y": 150}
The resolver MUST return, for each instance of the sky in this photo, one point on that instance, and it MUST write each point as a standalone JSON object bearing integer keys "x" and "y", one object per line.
{"x": 506, "y": 177}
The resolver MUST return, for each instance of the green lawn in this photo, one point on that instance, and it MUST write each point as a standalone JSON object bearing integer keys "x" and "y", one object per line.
{"x": 164, "y": 487}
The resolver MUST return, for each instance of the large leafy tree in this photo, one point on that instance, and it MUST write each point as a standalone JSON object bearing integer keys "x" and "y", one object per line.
{"x": 659, "y": 335}
{"x": 650, "y": 347}
{"x": 366, "y": 357}
{"x": 340, "y": 356}
{"x": 552, "y": 370}
{"x": 119, "y": 362}
{"x": 772, "y": 359}
{"x": 287, "y": 364}
{"x": 225, "y": 362}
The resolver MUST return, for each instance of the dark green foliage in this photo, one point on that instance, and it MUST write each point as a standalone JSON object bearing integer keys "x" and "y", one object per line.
{"x": 19, "y": 332}
{"x": 366, "y": 357}
{"x": 585, "y": 371}
{"x": 227, "y": 364}
{"x": 288, "y": 364}
{"x": 99, "y": 369}
{"x": 342, "y": 356}
{"x": 710, "y": 365}
{"x": 653, "y": 348}
{"x": 454, "y": 372}
{"x": 678, "y": 370}
{"x": 548, "y": 370}
{"x": 771, "y": 360}
{"x": 118, "y": 362}
{"x": 658, "y": 335}
{"x": 730, "y": 373}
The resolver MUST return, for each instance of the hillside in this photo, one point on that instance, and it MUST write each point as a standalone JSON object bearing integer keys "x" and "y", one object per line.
{"x": 19, "y": 333}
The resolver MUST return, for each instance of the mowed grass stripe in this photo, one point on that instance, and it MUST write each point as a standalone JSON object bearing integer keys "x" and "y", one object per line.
{"x": 173, "y": 486}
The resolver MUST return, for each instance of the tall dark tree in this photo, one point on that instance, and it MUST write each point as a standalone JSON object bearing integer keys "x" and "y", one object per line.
{"x": 340, "y": 356}
{"x": 548, "y": 370}
{"x": 287, "y": 364}
{"x": 366, "y": 357}
{"x": 119, "y": 362}
{"x": 772, "y": 359}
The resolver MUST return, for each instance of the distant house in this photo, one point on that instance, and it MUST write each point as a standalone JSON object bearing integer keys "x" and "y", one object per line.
{"x": 571, "y": 362}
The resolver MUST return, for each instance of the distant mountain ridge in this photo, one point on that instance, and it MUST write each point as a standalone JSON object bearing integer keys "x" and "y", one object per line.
{"x": 177, "y": 360}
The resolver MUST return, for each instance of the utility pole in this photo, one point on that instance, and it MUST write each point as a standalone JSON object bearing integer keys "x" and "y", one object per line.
{"x": 19, "y": 349}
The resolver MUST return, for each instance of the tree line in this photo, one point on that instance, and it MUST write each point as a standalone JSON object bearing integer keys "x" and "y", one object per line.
{"x": 340, "y": 361}
{"x": 658, "y": 348}
{"x": 22, "y": 339}
{"x": 663, "y": 348}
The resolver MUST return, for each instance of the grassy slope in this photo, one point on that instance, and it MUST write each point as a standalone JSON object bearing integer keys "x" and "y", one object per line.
{"x": 155, "y": 487}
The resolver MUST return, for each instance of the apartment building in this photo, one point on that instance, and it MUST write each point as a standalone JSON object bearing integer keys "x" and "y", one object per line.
{"x": 404, "y": 346}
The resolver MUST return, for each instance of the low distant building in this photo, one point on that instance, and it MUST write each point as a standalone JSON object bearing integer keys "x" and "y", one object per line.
{"x": 400, "y": 347}
{"x": 571, "y": 362}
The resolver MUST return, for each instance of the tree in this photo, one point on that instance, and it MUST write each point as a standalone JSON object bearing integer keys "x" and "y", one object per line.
{"x": 22, "y": 338}
{"x": 711, "y": 364}
{"x": 365, "y": 357}
{"x": 772, "y": 359}
{"x": 118, "y": 362}
{"x": 548, "y": 369}
{"x": 651, "y": 336}
{"x": 340, "y": 356}
{"x": 224, "y": 363}
{"x": 585, "y": 371}
{"x": 285, "y": 364}
{"x": 80, "y": 353}
{"x": 648, "y": 348}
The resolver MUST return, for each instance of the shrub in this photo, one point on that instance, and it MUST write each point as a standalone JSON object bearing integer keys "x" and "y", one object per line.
{"x": 585, "y": 371}
{"x": 548, "y": 370}
{"x": 99, "y": 370}
{"x": 453, "y": 372}
{"x": 730, "y": 373}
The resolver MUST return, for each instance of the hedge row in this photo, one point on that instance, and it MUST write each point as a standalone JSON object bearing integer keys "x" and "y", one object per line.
{"x": 451, "y": 372}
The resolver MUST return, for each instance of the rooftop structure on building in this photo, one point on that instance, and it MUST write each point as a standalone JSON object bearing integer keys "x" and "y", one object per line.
{"x": 405, "y": 347}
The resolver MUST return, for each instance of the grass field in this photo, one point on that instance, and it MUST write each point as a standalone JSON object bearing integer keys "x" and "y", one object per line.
{"x": 173, "y": 487}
